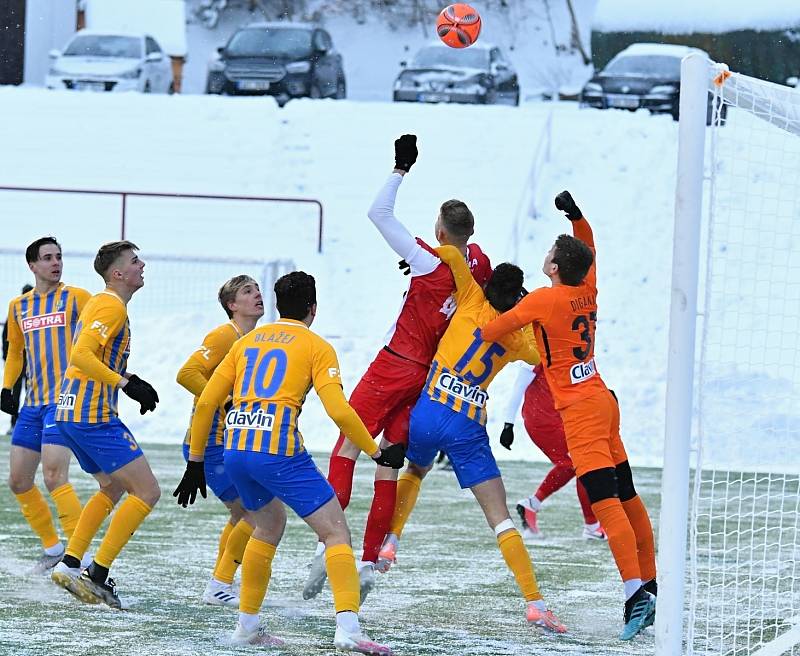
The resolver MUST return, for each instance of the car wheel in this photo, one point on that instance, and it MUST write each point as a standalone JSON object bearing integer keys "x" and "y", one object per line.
{"x": 516, "y": 97}
{"x": 314, "y": 92}
{"x": 341, "y": 90}
{"x": 491, "y": 97}
{"x": 146, "y": 87}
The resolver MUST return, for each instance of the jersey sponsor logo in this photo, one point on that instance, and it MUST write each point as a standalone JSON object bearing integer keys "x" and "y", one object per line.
{"x": 51, "y": 320}
{"x": 582, "y": 371}
{"x": 100, "y": 328}
{"x": 66, "y": 401}
{"x": 472, "y": 394}
{"x": 249, "y": 419}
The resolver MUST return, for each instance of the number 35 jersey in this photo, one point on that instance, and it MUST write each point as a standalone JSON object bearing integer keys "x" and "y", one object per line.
{"x": 564, "y": 320}
{"x": 272, "y": 370}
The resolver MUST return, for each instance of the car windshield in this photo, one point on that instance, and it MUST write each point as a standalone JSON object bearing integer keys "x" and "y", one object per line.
{"x": 444, "y": 56}
{"x": 267, "y": 42}
{"x": 105, "y": 45}
{"x": 645, "y": 66}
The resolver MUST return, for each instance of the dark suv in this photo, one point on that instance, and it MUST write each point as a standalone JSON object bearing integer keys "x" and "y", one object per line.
{"x": 285, "y": 60}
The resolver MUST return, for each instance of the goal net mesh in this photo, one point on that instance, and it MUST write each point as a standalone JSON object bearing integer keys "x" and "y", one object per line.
{"x": 744, "y": 542}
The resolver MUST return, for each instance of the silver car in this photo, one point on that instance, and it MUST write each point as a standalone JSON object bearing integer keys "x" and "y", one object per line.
{"x": 104, "y": 61}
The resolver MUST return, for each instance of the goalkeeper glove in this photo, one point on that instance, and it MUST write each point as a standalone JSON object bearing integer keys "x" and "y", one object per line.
{"x": 142, "y": 392}
{"x": 507, "y": 436}
{"x": 194, "y": 479}
{"x": 393, "y": 456}
{"x": 566, "y": 204}
{"x": 7, "y": 403}
{"x": 405, "y": 152}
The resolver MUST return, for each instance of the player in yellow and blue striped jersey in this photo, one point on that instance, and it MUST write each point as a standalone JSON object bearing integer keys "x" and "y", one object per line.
{"x": 269, "y": 372}
{"x": 103, "y": 445}
{"x": 41, "y": 324}
{"x": 450, "y": 416}
{"x": 241, "y": 299}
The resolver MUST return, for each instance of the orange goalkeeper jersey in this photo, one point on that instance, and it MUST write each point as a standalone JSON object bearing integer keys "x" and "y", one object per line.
{"x": 563, "y": 319}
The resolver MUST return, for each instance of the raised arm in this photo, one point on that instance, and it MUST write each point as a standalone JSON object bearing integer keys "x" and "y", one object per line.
{"x": 536, "y": 306}
{"x": 381, "y": 213}
{"x": 580, "y": 229}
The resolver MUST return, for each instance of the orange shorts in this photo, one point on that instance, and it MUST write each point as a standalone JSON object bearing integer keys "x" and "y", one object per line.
{"x": 592, "y": 429}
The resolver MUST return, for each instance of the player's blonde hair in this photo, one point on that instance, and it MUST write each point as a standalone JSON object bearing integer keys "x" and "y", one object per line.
{"x": 229, "y": 289}
{"x": 109, "y": 253}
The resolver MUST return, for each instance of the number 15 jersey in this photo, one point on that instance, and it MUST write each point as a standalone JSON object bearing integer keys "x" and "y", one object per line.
{"x": 563, "y": 319}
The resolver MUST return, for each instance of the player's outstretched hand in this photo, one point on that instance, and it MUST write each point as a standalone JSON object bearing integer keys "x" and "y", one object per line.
{"x": 7, "y": 402}
{"x": 142, "y": 392}
{"x": 393, "y": 456}
{"x": 507, "y": 436}
{"x": 194, "y": 479}
{"x": 566, "y": 204}
{"x": 404, "y": 266}
{"x": 405, "y": 152}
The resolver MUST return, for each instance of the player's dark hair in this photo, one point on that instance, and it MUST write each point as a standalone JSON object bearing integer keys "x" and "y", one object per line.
{"x": 504, "y": 288}
{"x": 109, "y": 253}
{"x": 457, "y": 219}
{"x": 32, "y": 252}
{"x": 574, "y": 259}
{"x": 228, "y": 291}
{"x": 295, "y": 294}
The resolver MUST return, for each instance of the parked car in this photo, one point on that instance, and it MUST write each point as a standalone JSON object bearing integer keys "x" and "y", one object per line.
{"x": 285, "y": 60}
{"x": 478, "y": 74}
{"x": 105, "y": 61}
{"x": 643, "y": 75}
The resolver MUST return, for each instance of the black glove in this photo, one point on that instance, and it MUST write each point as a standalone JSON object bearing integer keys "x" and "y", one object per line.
{"x": 393, "y": 456}
{"x": 8, "y": 403}
{"x": 507, "y": 436}
{"x": 404, "y": 266}
{"x": 194, "y": 479}
{"x": 142, "y": 392}
{"x": 566, "y": 204}
{"x": 405, "y": 152}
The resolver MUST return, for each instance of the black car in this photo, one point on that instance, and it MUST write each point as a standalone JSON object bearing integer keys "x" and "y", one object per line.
{"x": 285, "y": 60}
{"x": 644, "y": 75}
{"x": 478, "y": 74}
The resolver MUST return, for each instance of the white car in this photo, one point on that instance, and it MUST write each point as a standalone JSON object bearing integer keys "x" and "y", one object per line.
{"x": 104, "y": 61}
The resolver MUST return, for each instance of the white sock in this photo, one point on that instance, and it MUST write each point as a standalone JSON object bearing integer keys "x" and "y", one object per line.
{"x": 249, "y": 622}
{"x": 56, "y": 550}
{"x": 348, "y": 620}
{"x": 592, "y": 527}
{"x": 364, "y": 563}
{"x": 536, "y": 505}
{"x": 216, "y": 583}
{"x": 320, "y": 549}
{"x": 539, "y": 604}
{"x": 631, "y": 586}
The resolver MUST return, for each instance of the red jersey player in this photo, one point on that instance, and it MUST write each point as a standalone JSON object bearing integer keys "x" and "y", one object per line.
{"x": 391, "y": 385}
{"x": 546, "y": 430}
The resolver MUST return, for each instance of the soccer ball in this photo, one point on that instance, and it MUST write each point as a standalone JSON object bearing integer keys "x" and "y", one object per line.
{"x": 458, "y": 25}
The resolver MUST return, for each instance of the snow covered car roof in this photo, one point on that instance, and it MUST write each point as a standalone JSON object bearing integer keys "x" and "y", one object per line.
{"x": 662, "y": 49}
{"x": 272, "y": 25}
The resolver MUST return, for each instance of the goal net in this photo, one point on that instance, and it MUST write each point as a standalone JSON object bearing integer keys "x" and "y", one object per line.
{"x": 742, "y": 592}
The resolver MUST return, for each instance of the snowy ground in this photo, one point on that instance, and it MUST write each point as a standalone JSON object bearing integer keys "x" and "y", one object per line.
{"x": 449, "y": 595}
{"x": 619, "y": 166}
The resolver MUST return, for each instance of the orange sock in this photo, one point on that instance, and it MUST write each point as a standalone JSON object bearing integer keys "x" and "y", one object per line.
{"x": 94, "y": 513}
{"x": 129, "y": 516}
{"x": 223, "y": 540}
{"x": 640, "y": 522}
{"x": 519, "y": 562}
{"x": 68, "y": 506}
{"x": 621, "y": 538}
{"x": 407, "y": 492}
{"x": 234, "y": 552}
{"x": 256, "y": 572}
{"x": 37, "y": 512}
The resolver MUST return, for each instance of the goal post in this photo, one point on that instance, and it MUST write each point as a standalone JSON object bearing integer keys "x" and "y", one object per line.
{"x": 680, "y": 361}
{"x": 729, "y": 534}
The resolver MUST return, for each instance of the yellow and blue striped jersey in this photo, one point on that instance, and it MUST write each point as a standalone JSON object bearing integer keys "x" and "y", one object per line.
{"x": 197, "y": 371}
{"x": 270, "y": 371}
{"x": 102, "y": 340}
{"x": 42, "y": 325}
{"x": 465, "y": 365}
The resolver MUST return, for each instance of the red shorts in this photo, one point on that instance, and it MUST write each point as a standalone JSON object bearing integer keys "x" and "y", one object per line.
{"x": 543, "y": 422}
{"x": 386, "y": 393}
